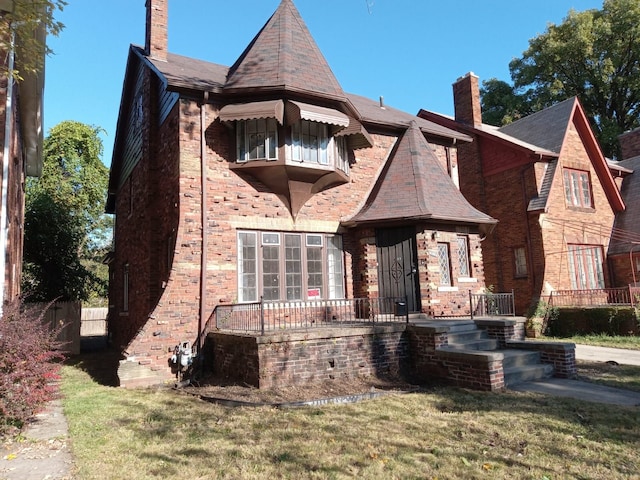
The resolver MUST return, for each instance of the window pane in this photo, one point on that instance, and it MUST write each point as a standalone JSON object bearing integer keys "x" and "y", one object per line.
{"x": 520, "y": 260}
{"x": 247, "y": 267}
{"x": 586, "y": 192}
{"x": 271, "y": 272}
{"x": 443, "y": 260}
{"x": 335, "y": 267}
{"x": 463, "y": 256}
{"x": 315, "y": 280}
{"x": 293, "y": 267}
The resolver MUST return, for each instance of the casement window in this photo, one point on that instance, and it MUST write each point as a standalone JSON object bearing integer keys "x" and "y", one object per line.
{"x": 125, "y": 289}
{"x": 585, "y": 267}
{"x": 462, "y": 249}
{"x": 577, "y": 188}
{"x": 311, "y": 143}
{"x": 520, "y": 262}
{"x": 445, "y": 264}
{"x": 257, "y": 139}
{"x": 289, "y": 266}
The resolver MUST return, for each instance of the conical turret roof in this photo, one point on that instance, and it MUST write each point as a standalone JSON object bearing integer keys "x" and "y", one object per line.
{"x": 414, "y": 186}
{"x": 284, "y": 56}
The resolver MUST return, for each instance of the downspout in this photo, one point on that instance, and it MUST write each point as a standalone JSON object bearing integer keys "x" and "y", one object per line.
{"x": 8, "y": 132}
{"x": 528, "y": 228}
{"x": 203, "y": 219}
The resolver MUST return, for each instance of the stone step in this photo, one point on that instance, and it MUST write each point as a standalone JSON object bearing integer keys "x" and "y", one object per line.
{"x": 521, "y": 374}
{"x": 453, "y": 326}
{"x": 519, "y": 358}
{"x": 479, "y": 344}
{"x": 466, "y": 336}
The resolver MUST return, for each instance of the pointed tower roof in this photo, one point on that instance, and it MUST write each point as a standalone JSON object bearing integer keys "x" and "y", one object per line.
{"x": 413, "y": 186}
{"x": 284, "y": 56}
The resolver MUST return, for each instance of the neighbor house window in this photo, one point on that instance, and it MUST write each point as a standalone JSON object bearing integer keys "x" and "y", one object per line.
{"x": 445, "y": 265}
{"x": 520, "y": 261}
{"x": 257, "y": 139}
{"x": 289, "y": 266}
{"x": 462, "y": 247}
{"x": 577, "y": 188}
{"x": 585, "y": 266}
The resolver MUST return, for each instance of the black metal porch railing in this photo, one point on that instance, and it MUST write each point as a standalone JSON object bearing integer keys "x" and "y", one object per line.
{"x": 266, "y": 316}
{"x": 492, "y": 304}
{"x": 597, "y": 297}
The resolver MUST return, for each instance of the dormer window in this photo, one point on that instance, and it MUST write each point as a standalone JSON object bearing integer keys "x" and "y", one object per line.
{"x": 257, "y": 139}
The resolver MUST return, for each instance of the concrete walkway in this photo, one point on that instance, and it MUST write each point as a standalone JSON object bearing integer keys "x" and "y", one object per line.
{"x": 589, "y": 391}
{"x": 43, "y": 453}
{"x": 604, "y": 354}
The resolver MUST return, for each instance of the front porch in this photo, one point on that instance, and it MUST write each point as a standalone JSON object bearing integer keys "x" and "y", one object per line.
{"x": 266, "y": 346}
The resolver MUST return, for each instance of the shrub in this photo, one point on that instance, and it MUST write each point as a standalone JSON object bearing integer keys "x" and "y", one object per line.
{"x": 594, "y": 320}
{"x": 29, "y": 363}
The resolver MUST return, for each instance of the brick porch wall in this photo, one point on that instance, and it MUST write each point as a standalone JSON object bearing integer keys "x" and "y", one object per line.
{"x": 299, "y": 358}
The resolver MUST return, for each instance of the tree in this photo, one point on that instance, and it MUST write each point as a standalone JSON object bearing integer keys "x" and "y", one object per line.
{"x": 66, "y": 229}
{"x": 594, "y": 55}
{"x": 19, "y": 29}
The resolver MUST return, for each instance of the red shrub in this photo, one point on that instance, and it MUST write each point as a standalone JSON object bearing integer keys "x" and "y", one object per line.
{"x": 29, "y": 363}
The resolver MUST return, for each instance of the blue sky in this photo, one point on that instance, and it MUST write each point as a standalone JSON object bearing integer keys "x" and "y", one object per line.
{"x": 408, "y": 51}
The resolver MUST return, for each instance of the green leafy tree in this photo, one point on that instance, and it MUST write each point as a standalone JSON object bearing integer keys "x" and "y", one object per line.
{"x": 19, "y": 29}
{"x": 66, "y": 229}
{"x": 594, "y": 55}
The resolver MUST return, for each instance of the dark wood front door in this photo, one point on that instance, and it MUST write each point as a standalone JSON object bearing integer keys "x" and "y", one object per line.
{"x": 398, "y": 265}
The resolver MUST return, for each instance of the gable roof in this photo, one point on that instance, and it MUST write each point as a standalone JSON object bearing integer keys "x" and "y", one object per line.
{"x": 413, "y": 186}
{"x": 545, "y": 129}
{"x": 284, "y": 56}
{"x": 542, "y": 135}
{"x": 626, "y": 228}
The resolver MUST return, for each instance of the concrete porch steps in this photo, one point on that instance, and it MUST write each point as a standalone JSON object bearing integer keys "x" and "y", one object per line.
{"x": 519, "y": 365}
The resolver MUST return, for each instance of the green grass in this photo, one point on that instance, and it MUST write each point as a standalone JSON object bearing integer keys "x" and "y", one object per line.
{"x": 444, "y": 433}
{"x": 601, "y": 340}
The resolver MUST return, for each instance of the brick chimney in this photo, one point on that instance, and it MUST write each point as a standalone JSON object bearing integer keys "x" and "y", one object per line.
{"x": 630, "y": 144}
{"x": 156, "y": 39}
{"x": 466, "y": 100}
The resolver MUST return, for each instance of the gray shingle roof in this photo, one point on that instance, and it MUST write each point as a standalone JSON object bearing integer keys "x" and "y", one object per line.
{"x": 546, "y": 128}
{"x": 626, "y": 229}
{"x": 414, "y": 186}
{"x": 284, "y": 56}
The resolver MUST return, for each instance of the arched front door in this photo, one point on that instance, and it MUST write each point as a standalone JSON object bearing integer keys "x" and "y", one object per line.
{"x": 398, "y": 265}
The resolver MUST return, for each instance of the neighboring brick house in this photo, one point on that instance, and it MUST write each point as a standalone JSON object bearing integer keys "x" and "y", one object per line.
{"x": 265, "y": 179}
{"x": 624, "y": 249}
{"x": 21, "y": 136}
{"x": 544, "y": 178}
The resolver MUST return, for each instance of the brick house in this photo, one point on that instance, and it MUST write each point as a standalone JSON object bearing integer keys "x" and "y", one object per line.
{"x": 545, "y": 179}
{"x": 624, "y": 249}
{"x": 266, "y": 180}
{"x": 21, "y": 135}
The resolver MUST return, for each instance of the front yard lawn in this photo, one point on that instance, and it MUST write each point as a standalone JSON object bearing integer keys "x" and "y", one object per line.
{"x": 442, "y": 433}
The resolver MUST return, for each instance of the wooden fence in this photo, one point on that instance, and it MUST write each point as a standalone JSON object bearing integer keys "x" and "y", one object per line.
{"x": 66, "y": 315}
{"x": 94, "y": 322}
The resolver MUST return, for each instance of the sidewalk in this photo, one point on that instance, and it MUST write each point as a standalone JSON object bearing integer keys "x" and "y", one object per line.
{"x": 589, "y": 391}
{"x": 44, "y": 452}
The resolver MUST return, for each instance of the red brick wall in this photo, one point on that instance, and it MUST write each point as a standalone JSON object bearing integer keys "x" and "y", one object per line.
{"x": 298, "y": 358}
{"x": 505, "y": 195}
{"x": 166, "y": 187}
